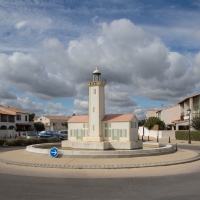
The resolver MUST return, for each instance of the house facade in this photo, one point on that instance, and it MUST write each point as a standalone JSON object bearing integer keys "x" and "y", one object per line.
{"x": 114, "y": 127}
{"x": 53, "y": 123}
{"x": 13, "y": 119}
{"x": 176, "y": 117}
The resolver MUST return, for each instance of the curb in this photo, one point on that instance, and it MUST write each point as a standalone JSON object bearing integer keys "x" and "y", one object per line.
{"x": 121, "y": 166}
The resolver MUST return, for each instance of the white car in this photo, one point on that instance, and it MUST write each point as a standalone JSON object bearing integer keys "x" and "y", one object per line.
{"x": 63, "y": 133}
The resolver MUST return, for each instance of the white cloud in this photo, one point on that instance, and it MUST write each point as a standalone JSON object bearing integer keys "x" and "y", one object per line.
{"x": 56, "y": 106}
{"x": 20, "y": 25}
{"x": 134, "y": 63}
{"x": 80, "y": 107}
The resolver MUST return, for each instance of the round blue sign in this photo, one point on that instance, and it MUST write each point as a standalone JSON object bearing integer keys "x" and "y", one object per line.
{"x": 54, "y": 152}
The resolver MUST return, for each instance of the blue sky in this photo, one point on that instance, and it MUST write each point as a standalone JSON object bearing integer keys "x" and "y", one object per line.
{"x": 147, "y": 50}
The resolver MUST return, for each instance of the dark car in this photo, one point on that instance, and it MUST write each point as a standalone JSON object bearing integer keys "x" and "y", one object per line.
{"x": 50, "y": 134}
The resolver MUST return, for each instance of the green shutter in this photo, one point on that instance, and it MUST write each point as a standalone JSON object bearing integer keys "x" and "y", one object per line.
{"x": 71, "y": 133}
{"x": 125, "y": 133}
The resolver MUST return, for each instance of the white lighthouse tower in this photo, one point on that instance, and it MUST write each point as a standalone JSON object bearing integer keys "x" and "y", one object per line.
{"x": 96, "y": 107}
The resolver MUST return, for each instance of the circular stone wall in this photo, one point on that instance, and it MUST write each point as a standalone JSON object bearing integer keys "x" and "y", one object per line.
{"x": 44, "y": 150}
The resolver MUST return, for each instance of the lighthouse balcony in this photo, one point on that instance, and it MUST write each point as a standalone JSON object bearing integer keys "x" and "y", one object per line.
{"x": 97, "y": 79}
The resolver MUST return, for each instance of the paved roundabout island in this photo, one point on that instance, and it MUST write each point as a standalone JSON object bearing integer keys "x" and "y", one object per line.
{"x": 24, "y": 158}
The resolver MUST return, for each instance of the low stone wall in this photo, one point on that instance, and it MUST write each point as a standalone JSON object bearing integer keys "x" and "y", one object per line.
{"x": 38, "y": 150}
{"x": 155, "y": 133}
{"x": 7, "y": 133}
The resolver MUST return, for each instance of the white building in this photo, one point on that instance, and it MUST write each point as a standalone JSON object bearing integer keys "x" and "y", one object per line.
{"x": 13, "y": 119}
{"x": 53, "y": 123}
{"x": 108, "y": 131}
{"x": 176, "y": 116}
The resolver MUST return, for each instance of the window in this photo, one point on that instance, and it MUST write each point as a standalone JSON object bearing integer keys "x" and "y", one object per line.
{"x": 93, "y": 109}
{"x": 93, "y": 127}
{"x": 107, "y": 133}
{"x": 123, "y": 133}
{"x": 25, "y": 117}
{"x": 94, "y": 91}
{"x": 18, "y": 117}
{"x": 85, "y": 125}
{"x": 11, "y": 118}
{"x": 107, "y": 125}
{"x": 133, "y": 124}
{"x": 73, "y": 133}
{"x": 4, "y": 118}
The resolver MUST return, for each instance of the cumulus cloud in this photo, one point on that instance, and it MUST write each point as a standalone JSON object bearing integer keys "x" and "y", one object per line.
{"x": 80, "y": 107}
{"x": 5, "y": 94}
{"x": 133, "y": 62}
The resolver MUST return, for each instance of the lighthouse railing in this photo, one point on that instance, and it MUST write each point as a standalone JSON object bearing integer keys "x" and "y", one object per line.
{"x": 101, "y": 80}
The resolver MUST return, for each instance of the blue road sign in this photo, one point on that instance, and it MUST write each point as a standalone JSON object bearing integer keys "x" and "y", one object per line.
{"x": 54, "y": 152}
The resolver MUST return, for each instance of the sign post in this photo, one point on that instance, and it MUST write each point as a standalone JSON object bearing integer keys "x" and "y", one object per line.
{"x": 53, "y": 152}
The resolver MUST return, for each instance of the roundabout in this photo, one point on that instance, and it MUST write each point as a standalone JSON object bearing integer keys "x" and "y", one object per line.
{"x": 24, "y": 158}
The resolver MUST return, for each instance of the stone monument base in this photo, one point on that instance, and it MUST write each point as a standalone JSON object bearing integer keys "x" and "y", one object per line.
{"x": 102, "y": 145}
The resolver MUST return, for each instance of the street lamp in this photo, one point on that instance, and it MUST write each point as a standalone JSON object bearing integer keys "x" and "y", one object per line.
{"x": 188, "y": 112}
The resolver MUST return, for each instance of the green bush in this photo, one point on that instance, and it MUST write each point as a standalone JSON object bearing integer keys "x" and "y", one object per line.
{"x": 183, "y": 135}
{"x": 151, "y": 121}
{"x": 25, "y": 142}
{"x": 2, "y": 141}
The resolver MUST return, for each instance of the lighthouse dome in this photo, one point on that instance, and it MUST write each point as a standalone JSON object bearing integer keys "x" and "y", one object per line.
{"x": 96, "y": 71}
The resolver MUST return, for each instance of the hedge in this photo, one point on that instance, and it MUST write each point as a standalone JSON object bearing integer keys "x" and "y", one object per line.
{"x": 25, "y": 142}
{"x": 183, "y": 135}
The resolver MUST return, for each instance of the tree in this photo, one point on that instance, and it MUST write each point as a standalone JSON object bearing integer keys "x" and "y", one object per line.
{"x": 196, "y": 123}
{"x": 39, "y": 126}
{"x": 141, "y": 122}
{"x": 151, "y": 121}
{"x": 31, "y": 116}
{"x": 65, "y": 124}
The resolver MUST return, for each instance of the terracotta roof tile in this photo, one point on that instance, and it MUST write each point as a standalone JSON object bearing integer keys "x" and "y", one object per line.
{"x": 83, "y": 118}
{"x": 5, "y": 113}
{"x": 13, "y": 109}
{"x": 118, "y": 117}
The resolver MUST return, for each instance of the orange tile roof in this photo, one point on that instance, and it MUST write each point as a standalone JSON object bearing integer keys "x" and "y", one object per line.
{"x": 59, "y": 117}
{"x": 5, "y": 113}
{"x": 118, "y": 117}
{"x": 83, "y": 118}
{"x": 13, "y": 109}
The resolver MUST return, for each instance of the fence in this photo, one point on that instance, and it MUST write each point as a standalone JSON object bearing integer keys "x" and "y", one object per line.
{"x": 154, "y": 133}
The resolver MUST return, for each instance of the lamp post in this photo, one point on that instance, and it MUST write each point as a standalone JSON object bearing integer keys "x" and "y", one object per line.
{"x": 188, "y": 112}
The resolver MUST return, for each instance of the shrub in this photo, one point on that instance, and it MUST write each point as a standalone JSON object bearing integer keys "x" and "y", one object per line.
{"x": 25, "y": 142}
{"x": 196, "y": 123}
{"x": 183, "y": 135}
{"x": 151, "y": 121}
{"x": 2, "y": 141}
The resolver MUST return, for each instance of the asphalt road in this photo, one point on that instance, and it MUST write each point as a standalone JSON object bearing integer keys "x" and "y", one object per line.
{"x": 178, "y": 187}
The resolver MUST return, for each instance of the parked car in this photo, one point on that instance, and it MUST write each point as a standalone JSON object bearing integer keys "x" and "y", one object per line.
{"x": 50, "y": 134}
{"x": 64, "y": 133}
{"x": 29, "y": 135}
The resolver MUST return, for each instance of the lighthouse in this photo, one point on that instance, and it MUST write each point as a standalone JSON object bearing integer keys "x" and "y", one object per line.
{"x": 96, "y": 106}
{"x": 98, "y": 130}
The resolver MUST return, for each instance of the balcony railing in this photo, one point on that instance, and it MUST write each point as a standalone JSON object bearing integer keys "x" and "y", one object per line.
{"x": 101, "y": 80}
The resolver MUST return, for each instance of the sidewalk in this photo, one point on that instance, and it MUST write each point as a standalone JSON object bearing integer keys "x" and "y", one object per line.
{"x": 20, "y": 158}
{"x": 172, "y": 141}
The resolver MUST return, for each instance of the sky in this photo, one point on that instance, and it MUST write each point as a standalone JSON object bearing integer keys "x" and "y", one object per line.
{"x": 148, "y": 51}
